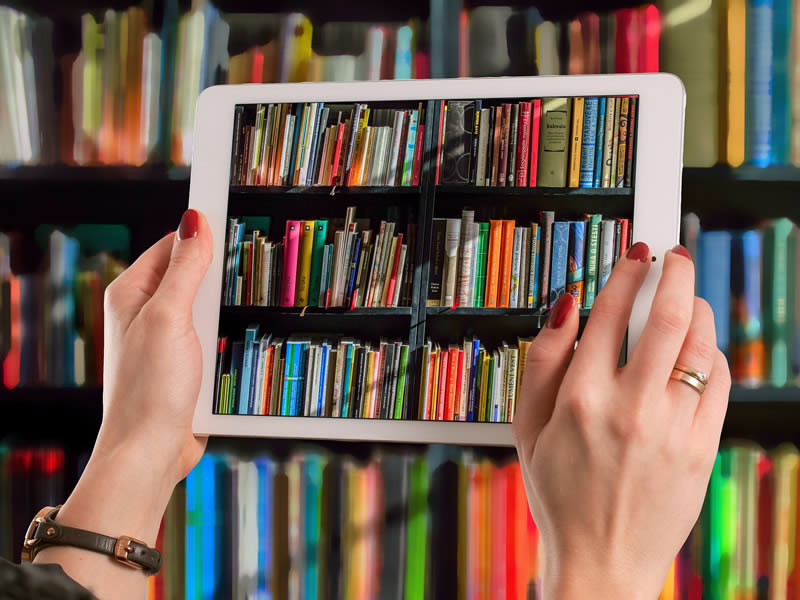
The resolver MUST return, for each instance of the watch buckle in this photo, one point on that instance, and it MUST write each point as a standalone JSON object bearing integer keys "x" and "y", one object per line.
{"x": 123, "y": 547}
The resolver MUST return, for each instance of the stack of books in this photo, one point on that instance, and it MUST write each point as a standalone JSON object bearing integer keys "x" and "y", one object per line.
{"x": 546, "y": 142}
{"x": 358, "y": 268}
{"x": 500, "y": 265}
{"x": 311, "y": 376}
{"x": 319, "y": 144}
{"x": 750, "y": 278}
{"x": 467, "y": 382}
{"x": 51, "y": 322}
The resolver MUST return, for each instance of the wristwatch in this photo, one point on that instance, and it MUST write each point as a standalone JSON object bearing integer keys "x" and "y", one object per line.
{"x": 44, "y": 531}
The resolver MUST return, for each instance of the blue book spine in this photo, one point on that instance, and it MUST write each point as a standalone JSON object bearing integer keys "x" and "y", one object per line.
{"x": 781, "y": 128}
{"x": 254, "y": 382}
{"x": 71, "y": 252}
{"x": 299, "y": 110}
{"x": 597, "y": 175}
{"x": 575, "y": 266}
{"x": 747, "y": 344}
{"x": 476, "y": 346}
{"x": 298, "y": 372}
{"x": 287, "y": 379}
{"x": 402, "y": 54}
{"x": 758, "y": 86}
{"x": 558, "y": 266}
{"x": 346, "y": 391}
{"x": 316, "y": 139}
{"x": 208, "y": 516}
{"x": 247, "y": 365}
{"x": 409, "y": 149}
{"x": 714, "y": 279}
{"x": 237, "y": 254}
{"x": 265, "y": 476}
{"x": 536, "y": 258}
{"x": 589, "y": 142}
{"x": 323, "y": 377}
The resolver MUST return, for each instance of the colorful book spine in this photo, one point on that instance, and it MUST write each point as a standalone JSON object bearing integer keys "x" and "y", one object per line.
{"x": 493, "y": 263}
{"x": 776, "y": 299}
{"x": 592, "y": 259}
{"x": 714, "y": 261}
{"x": 575, "y": 266}
{"x": 576, "y": 142}
{"x": 597, "y": 178}
{"x": 291, "y": 251}
{"x": 533, "y": 274}
{"x": 483, "y": 253}
{"x": 747, "y": 343}
{"x": 590, "y": 112}
{"x": 304, "y": 263}
{"x": 559, "y": 259}
{"x": 536, "y": 118}
{"x": 758, "y": 85}
{"x": 320, "y": 233}
{"x": 607, "y": 245}
{"x": 546, "y": 221}
{"x": 623, "y": 143}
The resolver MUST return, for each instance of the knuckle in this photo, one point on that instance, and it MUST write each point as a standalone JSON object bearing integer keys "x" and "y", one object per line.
{"x": 704, "y": 351}
{"x": 159, "y": 314}
{"x": 113, "y": 295}
{"x": 579, "y": 403}
{"x": 671, "y": 319}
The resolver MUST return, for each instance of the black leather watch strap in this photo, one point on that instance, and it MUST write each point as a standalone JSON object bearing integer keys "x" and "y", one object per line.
{"x": 45, "y": 532}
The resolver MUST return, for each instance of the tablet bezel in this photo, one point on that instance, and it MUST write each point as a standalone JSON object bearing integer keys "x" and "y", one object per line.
{"x": 659, "y": 154}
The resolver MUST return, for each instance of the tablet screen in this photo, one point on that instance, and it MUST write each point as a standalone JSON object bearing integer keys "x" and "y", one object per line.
{"x": 393, "y": 260}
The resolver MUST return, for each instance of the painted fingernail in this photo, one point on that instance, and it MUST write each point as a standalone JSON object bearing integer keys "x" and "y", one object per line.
{"x": 682, "y": 251}
{"x": 639, "y": 251}
{"x": 188, "y": 226}
{"x": 560, "y": 311}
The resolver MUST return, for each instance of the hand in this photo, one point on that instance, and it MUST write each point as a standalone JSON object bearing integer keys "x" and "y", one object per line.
{"x": 151, "y": 380}
{"x": 152, "y": 360}
{"x": 616, "y": 461}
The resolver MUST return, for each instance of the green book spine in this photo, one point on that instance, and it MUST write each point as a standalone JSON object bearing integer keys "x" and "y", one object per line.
{"x": 416, "y": 559}
{"x": 713, "y": 537}
{"x": 287, "y": 381}
{"x": 320, "y": 233}
{"x": 483, "y": 250}
{"x": 729, "y": 520}
{"x": 401, "y": 383}
{"x": 489, "y": 395}
{"x": 593, "y": 245}
{"x": 776, "y": 289}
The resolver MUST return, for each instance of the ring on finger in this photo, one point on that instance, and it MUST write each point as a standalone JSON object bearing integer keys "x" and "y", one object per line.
{"x": 698, "y": 382}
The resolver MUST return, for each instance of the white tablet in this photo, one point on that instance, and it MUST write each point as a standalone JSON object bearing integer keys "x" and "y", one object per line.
{"x": 379, "y": 247}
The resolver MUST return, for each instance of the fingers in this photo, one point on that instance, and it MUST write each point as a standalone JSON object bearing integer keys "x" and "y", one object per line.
{"x": 188, "y": 262}
{"x": 698, "y": 353}
{"x": 670, "y": 315}
{"x": 126, "y": 295}
{"x": 714, "y": 402}
{"x": 602, "y": 338}
{"x": 546, "y": 364}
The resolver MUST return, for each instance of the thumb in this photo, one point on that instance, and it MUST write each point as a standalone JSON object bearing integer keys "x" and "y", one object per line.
{"x": 545, "y": 366}
{"x": 188, "y": 261}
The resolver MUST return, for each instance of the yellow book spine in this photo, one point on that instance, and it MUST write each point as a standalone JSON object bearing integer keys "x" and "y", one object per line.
{"x": 304, "y": 263}
{"x": 734, "y": 113}
{"x": 368, "y": 392}
{"x": 575, "y": 140}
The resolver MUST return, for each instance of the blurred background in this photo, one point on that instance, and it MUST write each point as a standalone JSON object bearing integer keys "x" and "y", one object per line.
{"x": 97, "y": 103}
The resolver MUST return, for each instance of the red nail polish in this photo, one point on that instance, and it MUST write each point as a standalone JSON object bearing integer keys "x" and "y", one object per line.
{"x": 639, "y": 251}
{"x": 188, "y": 226}
{"x": 560, "y": 311}
{"x": 682, "y": 251}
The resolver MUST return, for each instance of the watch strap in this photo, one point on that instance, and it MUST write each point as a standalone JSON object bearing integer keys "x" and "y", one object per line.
{"x": 46, "y": 532}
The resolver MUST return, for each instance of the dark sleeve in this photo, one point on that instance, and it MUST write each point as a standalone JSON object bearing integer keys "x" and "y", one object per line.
{"x": 40, "y": 582}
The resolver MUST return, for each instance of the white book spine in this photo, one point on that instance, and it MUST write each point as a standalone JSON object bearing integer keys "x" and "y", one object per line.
{"x": 287, "y": 137}
{"x": 483, "y": 147}
{"x": 390, "y": 242}
{"x": 511, "y": 386}
{"x": 151, "y": 84}
{"x": 397, "y": 134}
{"x": 607, "y": 247}
{"x": 465, "y": 249}
{"x": 524, "y": 258}
{"x": 449, "y": 274}
{"x": 400, "y": 271}
{"x": 513, "y": 297}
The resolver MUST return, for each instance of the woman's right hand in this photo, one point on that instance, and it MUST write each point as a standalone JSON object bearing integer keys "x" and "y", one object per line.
{"x": 616, "y": 461}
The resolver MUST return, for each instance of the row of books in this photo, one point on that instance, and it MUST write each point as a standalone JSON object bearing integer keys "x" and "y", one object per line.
{"x": 128, "y": 95}
{"x": 440, "y": 522}
{"x": 545, "y": 142}
{"x": 750, "y": 278}
{"x": 468, "y": 382}
{"x": 500, "y": 265}
{"x": 357, "y": 268}
{"x": 311, "y": 376}
{"x": 326, "y": 144}
{"x": 51, "y": 320}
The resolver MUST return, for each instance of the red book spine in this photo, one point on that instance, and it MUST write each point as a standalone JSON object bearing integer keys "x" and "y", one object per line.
{"x": 395, "y": 263}
{"x": 441, "y": 399}
{"x": 422, "y": 66}
{"x": 624, "y": 235}
{"x": 417, "y": 167}
{"x": 452, "y": 375}
{"x": 336, "y": 154}
{"x": 536, "y": 117}
{"x": 429, "y": 391}
{"x": 291, "y": 247}
{"x": 512, "y": 532}
{"x": 257, "y": 72}
{"x": 439, "y": 140}
{"x": 626, "y": 41}
{"x": 650, "y": 22}
{"x": 523, "y": 143}
{"x": 265, "y": 408}
{"x": 456, "y": 415}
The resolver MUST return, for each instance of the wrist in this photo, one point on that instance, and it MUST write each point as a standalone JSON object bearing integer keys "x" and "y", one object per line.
{"x": 579, "y": 581}
{"x": 119, "y": 493}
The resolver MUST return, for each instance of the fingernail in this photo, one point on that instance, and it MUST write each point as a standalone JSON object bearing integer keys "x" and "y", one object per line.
{"x": 188, "y": 226}
{"x": 639, "y": 251}
{"x": 560, "y": 311}
{"x": 682, "y": 251}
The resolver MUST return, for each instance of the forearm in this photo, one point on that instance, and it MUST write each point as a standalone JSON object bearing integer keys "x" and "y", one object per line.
{"x": 119, "y": 493}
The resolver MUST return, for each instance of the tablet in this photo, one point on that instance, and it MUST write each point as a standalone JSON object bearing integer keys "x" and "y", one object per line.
{"x": 384, "y": 251}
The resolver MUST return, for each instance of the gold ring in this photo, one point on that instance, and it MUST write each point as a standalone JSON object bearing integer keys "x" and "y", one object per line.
{"x": 698, "y": 384}
{"x": 699, "y": 375}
